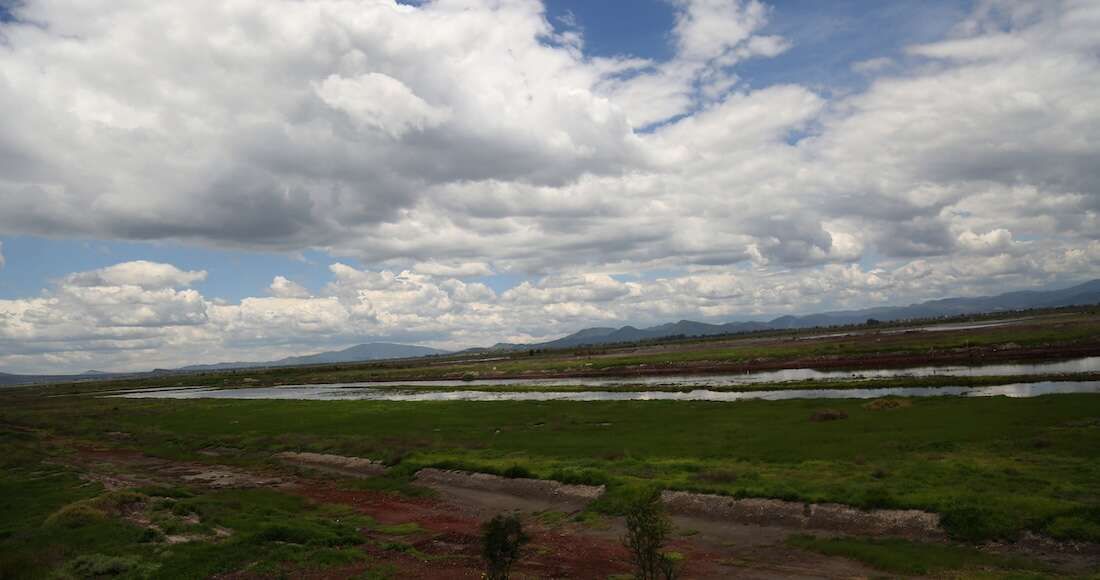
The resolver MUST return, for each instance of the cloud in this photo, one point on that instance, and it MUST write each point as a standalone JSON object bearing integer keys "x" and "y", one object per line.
{"x": 381, "y": 102}
{"x": 1, "y": 254}
{"x": 284, "y": 288}
{"x": 459, "y": 270}
{"x": 75, "y": 326}
{"x": 146, "y": 275}
{"x": 436, "y": 143}
{"x": 873, "y": 65}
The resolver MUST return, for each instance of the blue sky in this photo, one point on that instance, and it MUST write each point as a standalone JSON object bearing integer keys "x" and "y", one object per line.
{"x": 443, "y": 173}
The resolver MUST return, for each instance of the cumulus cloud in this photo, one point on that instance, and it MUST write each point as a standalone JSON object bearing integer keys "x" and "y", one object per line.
{"x": 436, "y": 143}
{"x": 77, "y": 325}
{"x": 146, "y": 275}
{"x": 282, "y": 287}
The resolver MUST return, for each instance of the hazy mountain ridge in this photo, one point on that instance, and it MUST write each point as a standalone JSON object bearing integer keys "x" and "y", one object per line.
{"x": 358, "y": 353}
{"x": 1081, "y": 294}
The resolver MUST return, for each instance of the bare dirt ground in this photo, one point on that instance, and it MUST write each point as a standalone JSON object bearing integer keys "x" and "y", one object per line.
{"x": 447, "y": 544}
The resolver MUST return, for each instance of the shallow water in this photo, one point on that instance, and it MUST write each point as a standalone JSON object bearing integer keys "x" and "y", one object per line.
{"x": 1083, "y": 365}
{"x": 338, "y": 393}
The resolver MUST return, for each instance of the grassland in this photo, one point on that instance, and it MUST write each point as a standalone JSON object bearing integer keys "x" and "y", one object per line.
{"x": 994, "y": 468}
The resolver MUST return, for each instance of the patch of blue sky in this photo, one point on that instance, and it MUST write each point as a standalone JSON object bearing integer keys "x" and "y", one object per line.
{"x": 639, "y": 28}
{"x": 829, "y": 38}
{"x": 33, "y": 264}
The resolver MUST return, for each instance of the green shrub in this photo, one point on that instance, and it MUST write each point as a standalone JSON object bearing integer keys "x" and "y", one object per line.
{"x": 580, "y": 477}
{"x": 973, "y": 523}
{"x": 517, "y": 472}
{"x": 76, "y": 515}
{"x": 502, "y": 538}
{"x": 101, "y": 566}
{"x": 647, "y": 527}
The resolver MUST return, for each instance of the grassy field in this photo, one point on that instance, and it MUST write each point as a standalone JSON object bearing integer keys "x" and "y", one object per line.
{"x": 992, "y": 467}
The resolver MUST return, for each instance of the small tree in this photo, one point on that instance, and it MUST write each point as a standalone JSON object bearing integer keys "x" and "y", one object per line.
{"x": 647, "y": 526}
{"x": 502, "y": 538}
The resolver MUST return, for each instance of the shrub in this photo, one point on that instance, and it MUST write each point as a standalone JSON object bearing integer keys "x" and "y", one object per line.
{"x": 580, "y": 477}
{"x": 76, "y": 515}
{"x": 647, "y": 526}
{"x": 99, "y": 566}
{"x": 502, "y": 539}
{"x": 973, "y": 523}
{"x": 517, "y": 472}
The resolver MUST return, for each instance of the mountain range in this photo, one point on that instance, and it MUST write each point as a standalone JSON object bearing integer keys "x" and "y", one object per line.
{"x": 1081, "y": 294}
{"x": 357, "y": 353}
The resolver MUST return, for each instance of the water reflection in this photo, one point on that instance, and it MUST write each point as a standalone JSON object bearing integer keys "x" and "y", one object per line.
{"x": 1082, "y": 365}
{"x": 334, "y": 393}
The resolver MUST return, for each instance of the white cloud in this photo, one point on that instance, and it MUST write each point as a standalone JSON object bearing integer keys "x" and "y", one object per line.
{"x": 146, "y": 275}
{"x": 450, "y": 140}
{"x": 457, "y": 270}
{"x": 381, "y": 102}
{"x": 73, "y": 327}
{"x": 873, "y": 65}
{"x": 282, "y": 287}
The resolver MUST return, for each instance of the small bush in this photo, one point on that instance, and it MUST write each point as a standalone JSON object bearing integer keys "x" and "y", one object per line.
{"x": 580, "y": 477}
{"x": 99, "y": 566}
{"x": 517, "y": 472}
{"x": 877, "y": 497}
{"x": 502, "y": 539}
{"x": 647, "y": 527}
{"x": 972, "y": 523}
{"x": 76, "y": 515}
{"x": 828, "y": 415}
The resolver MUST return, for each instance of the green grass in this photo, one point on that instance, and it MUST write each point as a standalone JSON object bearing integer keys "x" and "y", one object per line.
{"x": 992, "y": 467}
{"x": 55, "y": 525}
{"x": 914, "y": 558}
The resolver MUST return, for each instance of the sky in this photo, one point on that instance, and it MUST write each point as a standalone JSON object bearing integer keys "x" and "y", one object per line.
{"x": 202, "y": 181}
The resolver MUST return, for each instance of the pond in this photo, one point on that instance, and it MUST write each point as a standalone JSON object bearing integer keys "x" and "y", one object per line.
{"x": 703, "y": 381}
{"x": 343, "y": 392}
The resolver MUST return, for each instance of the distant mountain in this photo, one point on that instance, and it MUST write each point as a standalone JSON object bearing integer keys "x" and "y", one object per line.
{"x": 9, "y": 380}
{"x": 357, "y": 353}
{"x": 1087, "y": 293}
{"x": 1081, "y": 294}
